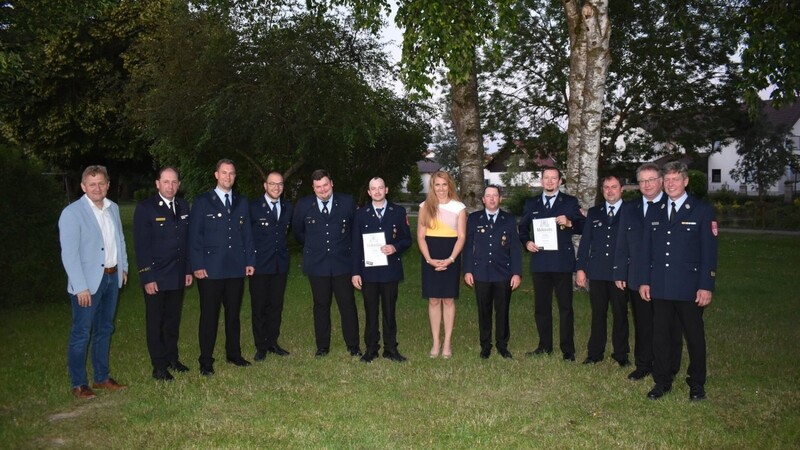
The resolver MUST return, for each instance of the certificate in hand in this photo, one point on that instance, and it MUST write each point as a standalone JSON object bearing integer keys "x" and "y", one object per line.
{"x": 373, "y": 256}
{"x": 545, "y": 233}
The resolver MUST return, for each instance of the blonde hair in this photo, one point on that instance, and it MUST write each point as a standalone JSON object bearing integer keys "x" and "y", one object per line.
{"x": 430, "y": 208}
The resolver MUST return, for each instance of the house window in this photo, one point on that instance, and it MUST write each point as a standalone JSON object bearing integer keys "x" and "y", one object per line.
{"x": 716, "y": 175}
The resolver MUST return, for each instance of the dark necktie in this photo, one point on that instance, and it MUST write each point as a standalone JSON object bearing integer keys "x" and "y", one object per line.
{"x": 673, "y": 213}
{"x": 491, "y": 220}
{"x": 275, "y": 210}
{"x": 610, "y": 211}
{"x": 649, "y": 205}
{"x": 172, "y": 208}
{"x": 548, "y": 198}
{"x": 325, "y": 207}
{"x": 379, "y": 211}
{"x": 228, "y": 203}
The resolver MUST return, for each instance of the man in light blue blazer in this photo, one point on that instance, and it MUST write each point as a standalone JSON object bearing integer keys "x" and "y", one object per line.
{"x": 94, "y": 257}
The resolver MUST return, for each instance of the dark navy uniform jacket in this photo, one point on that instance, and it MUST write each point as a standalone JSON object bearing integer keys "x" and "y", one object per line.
{"x": 161, "y": 242}
{"x": 628, "y": 264}
{"x": 682, "y": 255}
{"x": 492, "y": 253}
{"x": 599, "y": 242}
{"x": 269, "y": 236}
{"x": 563, "y": 259}
{"x": 220, "y": 243}
{"x": 327, "y": 241}
{"x": 394, "y": 227}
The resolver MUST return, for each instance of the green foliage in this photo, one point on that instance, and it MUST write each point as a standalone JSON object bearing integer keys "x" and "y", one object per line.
{"x": 414, "y": 184}
{"x": 514, "y": 199}
{"x": 631, "y": 194}
{"x": 30, "y": 261}
{"x": 698, "y": 183}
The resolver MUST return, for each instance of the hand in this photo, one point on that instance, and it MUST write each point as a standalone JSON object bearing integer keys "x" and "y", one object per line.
{"x": 580, "y": 278}
{"x": 249, "y": 270}
{"x": 515, "y": 282}
{"x": 703, "y": 298}
{"x": 644, "y": 292}
{"x": 200, "y": 274}
{"x": 151, "y": 288}
{"x": 124, "y": 278}
{"x": 84, "y": 298}
{"x": 356, "y": 280}
{"x": 469, "y": 280}
{"x": 563, "y": 221}
{"x": 621, "y": 284}
{"x": 531, "y": 247}
{"x": 388, "y": 249}
{"x": 188, "y": 280}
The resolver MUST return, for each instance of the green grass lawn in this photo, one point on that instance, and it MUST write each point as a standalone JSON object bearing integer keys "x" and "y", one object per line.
{"x": 465, "y": 402}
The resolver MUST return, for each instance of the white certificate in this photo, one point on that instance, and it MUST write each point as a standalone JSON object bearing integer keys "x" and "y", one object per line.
{"x": 373, "y": 256}
{"x": 545, "y": 233}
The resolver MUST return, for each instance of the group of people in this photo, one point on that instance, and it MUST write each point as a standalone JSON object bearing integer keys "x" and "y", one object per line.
{"x": 658, "y": 253}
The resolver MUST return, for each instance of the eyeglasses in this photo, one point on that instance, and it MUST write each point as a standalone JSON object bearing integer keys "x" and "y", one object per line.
{"x": 270, "y": 183}
{"x": 648, "y": 181}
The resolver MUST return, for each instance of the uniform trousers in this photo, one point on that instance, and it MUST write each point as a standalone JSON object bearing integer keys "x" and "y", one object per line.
{"x": 690, "y": 317}
{"x": 266, "y": 302}
{"x": 383, "y": 297}
{"x": 544, "y": 284}
{"x": 163, "y": 320}
{"x": 322, "y": 290}
{"x": 493, "y": 295}
{"x": 214, "y": 293}
{"x": 643, "y": 336}
{"x": 603, "y": 293}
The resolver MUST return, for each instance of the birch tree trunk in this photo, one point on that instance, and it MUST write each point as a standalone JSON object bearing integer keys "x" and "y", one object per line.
{"x": 467, "y": 126}
{"x": 589, "y": 32}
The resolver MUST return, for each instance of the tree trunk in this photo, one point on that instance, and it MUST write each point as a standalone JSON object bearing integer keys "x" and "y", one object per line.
{"x": 467, "y": 125}
{"x": 589, "y": 32}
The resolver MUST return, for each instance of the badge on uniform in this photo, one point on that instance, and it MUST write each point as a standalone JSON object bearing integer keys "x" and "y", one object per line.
{"x": 503, "y": 240}
{"x": 160, "y": 203}
{"x": 161, "y": 219}
{"x": 394, "y": 232}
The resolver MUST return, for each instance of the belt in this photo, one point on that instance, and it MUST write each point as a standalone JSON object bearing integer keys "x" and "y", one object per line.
{"x": 110, "y": 270}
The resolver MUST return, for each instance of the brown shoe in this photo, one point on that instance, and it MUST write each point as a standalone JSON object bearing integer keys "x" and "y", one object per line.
{"x": 83, "y": 392}
{"x": 109, "y": 384}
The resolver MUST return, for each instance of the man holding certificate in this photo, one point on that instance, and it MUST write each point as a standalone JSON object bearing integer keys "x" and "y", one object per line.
{"x": 380, "y": 235}
{"x": 546, "y": 228}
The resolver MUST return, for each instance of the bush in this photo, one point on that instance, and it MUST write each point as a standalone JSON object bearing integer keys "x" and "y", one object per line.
{"x": 30, "y": 263}
{"x": 514, "y": 199}
{"x": 698, "y": 183}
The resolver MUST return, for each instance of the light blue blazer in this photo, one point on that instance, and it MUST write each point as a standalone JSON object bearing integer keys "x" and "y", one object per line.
{"x": 82, "y": 251}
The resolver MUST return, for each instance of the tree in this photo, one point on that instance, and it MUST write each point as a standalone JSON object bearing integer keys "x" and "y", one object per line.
{"x": 765, "y": 152}
{"x": 414, "y": 183}
{"x": 771, "y": 54}
{"x": 668, "y": 81}
{"x": 292, "y": 91}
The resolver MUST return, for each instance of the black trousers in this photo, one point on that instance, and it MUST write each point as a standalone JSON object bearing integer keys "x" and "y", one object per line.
{"x": 162, "y": 324}
{"x": 643, "y": 336}
{"x": 690, "y": 316}
{"x": 383, "y": 297}
{"x": 493, "y": 295}
{"x": 322, "y": 290}
{"x": 603, "y": 293}
{"x": 544, "y": 284}
{"x": 266, "y": 302}
{"x": 225, "y": 292}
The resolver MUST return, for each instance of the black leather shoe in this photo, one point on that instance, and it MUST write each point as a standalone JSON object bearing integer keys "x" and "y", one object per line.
{"x": 569, "y": 356}
{"x": 505, "y": 353}
{"x": 354, "y": 351}
{"x": 162, "y": 375}
{"x": 321, "y": 352}
{"x": 260, "y": 356}
{"x": 539, "y": 351}
{"x": 624, "y": 362}
{"x": 394, "y": 356}
{"x": 697, "y": 393}
{"x": 658, "y": 391}
{"x": 485, "y": 352}
{"x": 178, "y": 366}
{"x": 590, "y": 360}
{"x": 276, "y": 349}
{"x": 369, "y": 356}
{"x": 206, "y": 370}
{"x": 239, "y": 361}
{"x": 638, "y": 374}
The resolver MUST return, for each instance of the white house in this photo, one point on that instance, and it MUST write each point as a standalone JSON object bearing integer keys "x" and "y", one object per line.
{"x": 722, "y": 162}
